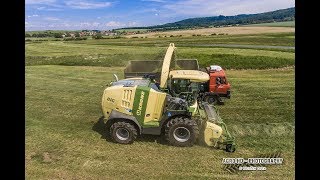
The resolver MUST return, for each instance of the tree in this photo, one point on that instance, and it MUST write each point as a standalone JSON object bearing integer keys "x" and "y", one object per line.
{"x": 57, "y": 35}
{"x": 27, "y": 35}
{"x": 77, "y": 34}
{"x": 97, "y": 36}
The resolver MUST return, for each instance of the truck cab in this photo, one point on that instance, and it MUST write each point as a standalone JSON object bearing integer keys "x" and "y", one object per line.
{"x": 218, "y": 81}
{"x": 216, "y": 87}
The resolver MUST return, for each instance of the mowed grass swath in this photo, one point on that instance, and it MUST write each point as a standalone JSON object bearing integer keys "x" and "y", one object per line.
{"x": 118, "y": 52}
{"x": 66, "y": 140}
{"x": 276, "y": 24}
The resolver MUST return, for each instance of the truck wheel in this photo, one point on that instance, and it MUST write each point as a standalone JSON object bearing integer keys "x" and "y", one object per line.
{"x": 123, "y": 132}
{"x": 181, "y": 132}
{"x": 210, "y": 99}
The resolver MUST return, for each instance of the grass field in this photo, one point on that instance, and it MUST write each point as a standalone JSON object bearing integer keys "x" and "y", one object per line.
{"x": 132, "y": 30}
{"x": 63, "y": 139}
{"x": 276, "y": 24}
{"x": 236, "y": 30}
{"x": 117, "y": 52}
{"x": 66, "y": 140}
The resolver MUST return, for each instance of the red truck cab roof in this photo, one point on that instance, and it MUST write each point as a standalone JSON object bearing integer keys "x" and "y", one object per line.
{"x": 220, "y": 73}
{"x": 215, "y": 71}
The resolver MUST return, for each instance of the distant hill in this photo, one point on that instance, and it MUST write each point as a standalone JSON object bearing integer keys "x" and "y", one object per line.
{"x": 214, "y": 21}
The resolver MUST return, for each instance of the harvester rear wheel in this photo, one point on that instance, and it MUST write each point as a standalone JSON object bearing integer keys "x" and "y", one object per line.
{"x": 123, "y": 132}
{"x": 181, "y": 131}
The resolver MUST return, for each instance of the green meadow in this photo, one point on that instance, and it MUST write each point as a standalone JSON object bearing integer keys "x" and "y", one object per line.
{"x": 65, "y": 138}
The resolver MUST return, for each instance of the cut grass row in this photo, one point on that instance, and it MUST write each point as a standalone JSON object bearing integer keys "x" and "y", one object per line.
{"x": 65, "y": 141}
{"x": 275, "y": 39}
{"x": 271, "y": 39}
{"x": 228, "y": 61}
{"x": 276, "y": 24}
{"x": 74, "y": 54}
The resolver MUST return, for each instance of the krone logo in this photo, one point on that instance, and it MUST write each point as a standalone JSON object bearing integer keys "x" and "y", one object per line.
{"x": 140, "y": 104}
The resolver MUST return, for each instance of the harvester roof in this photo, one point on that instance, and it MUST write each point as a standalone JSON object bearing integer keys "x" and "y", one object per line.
{"x": 193, "y": 75}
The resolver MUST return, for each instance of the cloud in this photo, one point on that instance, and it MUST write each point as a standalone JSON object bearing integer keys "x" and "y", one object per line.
{"x": 148, "y": 10}
{"x": 159, "y": 1}
{"x": 222, "y": 7}
{"x": 87, "y": 5}
{"x": 34, "y": 15}
{"x": 114, "y": 24}
{"x": 89, "y": 24}
{"x": 132, "y": 23}
{"x": 40, "y": 1}
{"x": 41, "y": 8}
{"x": 51, "y": 19}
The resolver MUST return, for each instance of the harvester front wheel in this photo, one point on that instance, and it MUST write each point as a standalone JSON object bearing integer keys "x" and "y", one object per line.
{"x": 181, "y": 132}
{"x": 123, "y": 132}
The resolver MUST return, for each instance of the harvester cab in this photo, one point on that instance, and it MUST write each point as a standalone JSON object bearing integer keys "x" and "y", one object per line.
{"x": 139, "y": 105}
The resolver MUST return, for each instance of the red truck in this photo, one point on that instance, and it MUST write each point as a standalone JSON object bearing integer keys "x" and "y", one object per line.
{"x": 216, "y": 87}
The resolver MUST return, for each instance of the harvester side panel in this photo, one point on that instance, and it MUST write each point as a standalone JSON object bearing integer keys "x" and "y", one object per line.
{"x": 154, "y": 108}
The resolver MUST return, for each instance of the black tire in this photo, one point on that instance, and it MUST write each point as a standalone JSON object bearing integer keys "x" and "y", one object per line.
{"x": 123, "y": 132}
{"x": 211, "y": 99}
{"x": 181, "y": 132}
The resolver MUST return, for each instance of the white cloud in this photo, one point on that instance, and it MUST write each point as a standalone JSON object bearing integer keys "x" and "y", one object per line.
{"x": 88, "y": 24}
{"x": 51, "y": 19}
{"x": 40, "y": 8}
{"x": 34, "y": 15}
{"x": 114, "y": 24}
{"x": 132, "y": 23}
{"x": 39, "y": 1}
{"x": 95, "y": 24}
{"x": 53, "y": 9}
{"x": 159, "y": 1}
{"x": 230, "y": 7}
{"x": 87, "y": 5}
{"x": 148, "y": 10}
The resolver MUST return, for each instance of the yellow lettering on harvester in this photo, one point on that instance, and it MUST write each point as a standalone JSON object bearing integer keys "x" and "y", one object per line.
{"x": 140, "y": 104}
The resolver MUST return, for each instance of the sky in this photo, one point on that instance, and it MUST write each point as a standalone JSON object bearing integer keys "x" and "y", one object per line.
{"x": 112, "y": 14}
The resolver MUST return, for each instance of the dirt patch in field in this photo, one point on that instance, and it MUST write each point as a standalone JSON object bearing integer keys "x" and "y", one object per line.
{"x": 224, "y": 30}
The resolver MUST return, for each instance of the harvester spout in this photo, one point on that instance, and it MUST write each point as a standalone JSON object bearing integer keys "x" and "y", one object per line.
{"x": 166, "y": 65}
